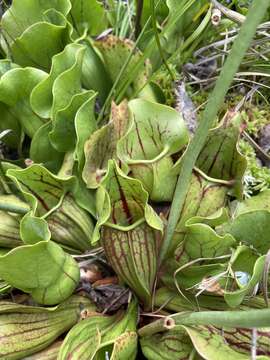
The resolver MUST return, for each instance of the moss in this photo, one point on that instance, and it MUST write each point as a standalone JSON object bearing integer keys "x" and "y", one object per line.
{"x": 164, "y": 80}
{"x": 255, "y": 119}
{"x": 257, "y": 177}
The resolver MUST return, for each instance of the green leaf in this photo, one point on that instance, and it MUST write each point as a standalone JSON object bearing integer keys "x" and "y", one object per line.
{"x": 250, "y": 265}
{"x": 252, "y": 228}
{"x": 114, "y": 52}
{"x": 56, "y": 90}
{"x": 133, "y": 255}
{"x": 218, "y": 218}
{"x": 13, "y": 204}
{"x": 204, "y": 198}
{"x": 203, "y": 242}
{"x": 71, "y": 226}
{"x": 191, "y": 277}
{"x": 82, "y": 346}
{"x": 9, "y": 230}
{"x": 261, "y": 201}
{"x": 29, "y": 49}
{"x": 42, "y": 150}
{"x": 44, "y": 270}
{"x": 70, "y": 128}
{"x": 101, "y": 146}
{"x": 84, "y": 197}
{"x": 10, "y": 121}
{"x": 174, "y": 344}
{"x": 41, "y": 188}
{"x": 7, "y": 307}
{"x": 63, "y": 135}
{"x": 67, "y": 84}
{"x": 241, "y": 340}
{"x": 26, "y": 330}
{"x": 157, "y": 130}
{"x": 220, "y": 157}
{"x": 94, "y": 74}
{"x": 122, "y": 202}
{"x": 209, "y": 342}
{"x": 88, "y": 16}
{"x": 22, "y": 14}
{"x": 244, "y": 259}
{"x": 50, "y": 198}
{"x": 155, "y": 176}
{"x": 85, "y": 125}
{"x": 17, "y": 97}
{"x": 125, "y": 346}
{"x": 50, "y": 353}
{"x": 87, "y": 339}
{"x": 34, "y": 229}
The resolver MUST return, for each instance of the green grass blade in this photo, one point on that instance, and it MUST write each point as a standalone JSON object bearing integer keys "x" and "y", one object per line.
{"x": 154, "y": 24}
{"x": 151, "y": 47}
{"x": 257, "y": 318}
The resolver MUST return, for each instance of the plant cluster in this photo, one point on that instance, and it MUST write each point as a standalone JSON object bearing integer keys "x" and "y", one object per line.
{"x": 90, "y": 160}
